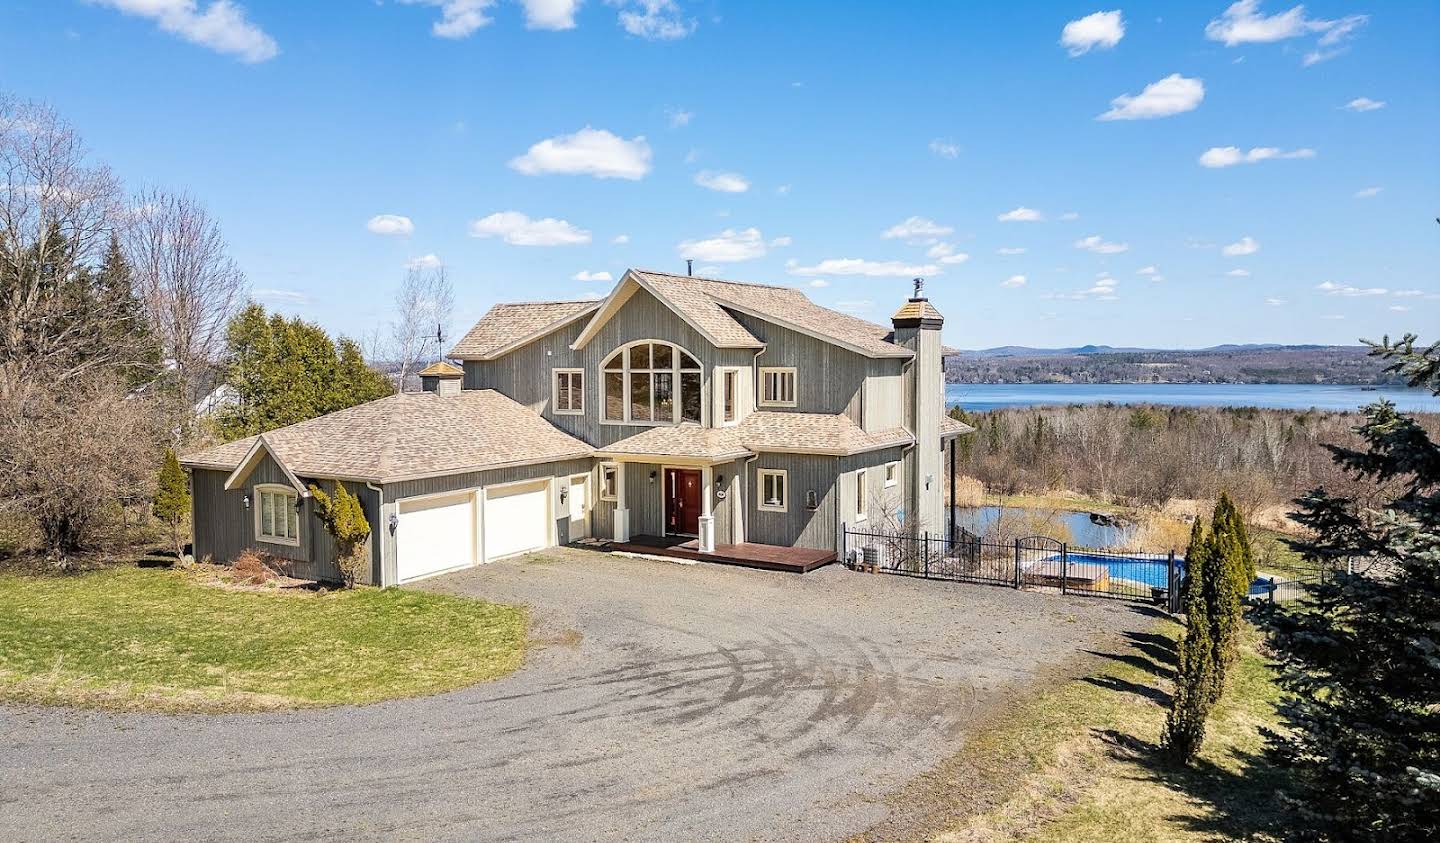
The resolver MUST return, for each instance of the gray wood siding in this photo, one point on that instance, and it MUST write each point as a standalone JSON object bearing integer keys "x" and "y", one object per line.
{"x": 642, "y": 498}
{"x": 223, "y": 526}
{"x": 798, "y": 525}
{"x": 828, "y": 379}
{"x": 525, "y": 374}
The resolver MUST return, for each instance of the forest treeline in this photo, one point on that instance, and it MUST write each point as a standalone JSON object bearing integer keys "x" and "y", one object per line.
{"x": 1150, "y": 455}
{"x": 1349, "y": 365}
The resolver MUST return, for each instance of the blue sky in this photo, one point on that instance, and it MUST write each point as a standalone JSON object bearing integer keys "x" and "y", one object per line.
{"x": 782, "y": 142}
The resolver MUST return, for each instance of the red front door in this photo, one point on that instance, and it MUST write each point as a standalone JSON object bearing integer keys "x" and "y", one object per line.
{"x": 682, "y": 501}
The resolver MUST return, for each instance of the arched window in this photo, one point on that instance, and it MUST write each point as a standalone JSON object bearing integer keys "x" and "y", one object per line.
{"x": 651, "y": 383}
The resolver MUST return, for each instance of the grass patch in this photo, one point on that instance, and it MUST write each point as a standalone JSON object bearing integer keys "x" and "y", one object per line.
{"x": 161, "y": 640}
{"x": 1081, "y": 761}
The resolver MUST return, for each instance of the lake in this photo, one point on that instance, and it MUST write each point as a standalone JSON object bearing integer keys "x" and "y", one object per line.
{"x": 990, "y": 396}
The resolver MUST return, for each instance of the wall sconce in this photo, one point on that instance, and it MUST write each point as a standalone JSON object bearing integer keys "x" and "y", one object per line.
{"x": 246, "y": 501}
{"x": 299, "y": 503}
{"x": 652, "y": 477}
{"x": 564, "y": 495}
{"x": 929, "y": 478}
{"x": 811, "y": 503}
{"x": 394, "y": 523}
{"x": 719, "y": 481}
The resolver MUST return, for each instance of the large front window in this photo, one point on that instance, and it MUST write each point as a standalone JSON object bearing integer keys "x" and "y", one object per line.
{"x": 651, "y": 383}
{"x": 277, "y": 518}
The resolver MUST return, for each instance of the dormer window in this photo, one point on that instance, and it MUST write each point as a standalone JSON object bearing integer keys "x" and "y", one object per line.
{"x": 651, "y": 383}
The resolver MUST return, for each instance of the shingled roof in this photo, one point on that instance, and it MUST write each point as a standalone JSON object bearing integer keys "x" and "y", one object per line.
{"x": 809, "y": 433}
{"x": 407, "y": 436}
{"x": 505, "y": 326}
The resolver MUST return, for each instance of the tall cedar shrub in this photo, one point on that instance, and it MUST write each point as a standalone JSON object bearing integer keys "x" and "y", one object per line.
{"x": 1359, "y": 656}
{"x": 172, "y": 498}
{"x": 1229, "y": 581}
{"x": 344, "y": 520}
{"x": 1194, "y": 676}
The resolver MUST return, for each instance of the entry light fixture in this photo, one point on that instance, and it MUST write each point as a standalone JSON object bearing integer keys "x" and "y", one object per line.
{"x": 246, "y": 501}
{"x": 652, "y": 477}
{"x": 394, "y": 523}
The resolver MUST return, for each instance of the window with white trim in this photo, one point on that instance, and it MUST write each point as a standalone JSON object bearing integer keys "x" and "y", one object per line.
{"x": 728, "y": 380}
{"x": 609, "y": 481}
{"x": 568, "y": 392}
{"x": 277, "y": 518}
{"x": 777, "y": 386}
{"x": 860, "y": 514}
{"x": 892, "y": 474}
{"x": 774, "y": 489}
{"x": 651, "y": 383}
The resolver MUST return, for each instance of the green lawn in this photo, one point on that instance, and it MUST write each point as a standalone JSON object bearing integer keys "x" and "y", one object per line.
{"x": 162, "y": 640}
{"x": 1081, "y": 761}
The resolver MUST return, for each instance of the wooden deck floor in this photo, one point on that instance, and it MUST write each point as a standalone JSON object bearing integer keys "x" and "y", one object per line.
{"x": 795, "y": 560}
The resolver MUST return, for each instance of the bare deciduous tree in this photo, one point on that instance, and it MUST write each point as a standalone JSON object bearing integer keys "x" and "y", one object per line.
{"x": 422, "y": 308}
{"x": 188, "y": 282}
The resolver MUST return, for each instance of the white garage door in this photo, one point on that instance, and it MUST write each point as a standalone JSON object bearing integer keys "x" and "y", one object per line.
{"x": 435, "y": 534}
{"x": 517, "y": 518}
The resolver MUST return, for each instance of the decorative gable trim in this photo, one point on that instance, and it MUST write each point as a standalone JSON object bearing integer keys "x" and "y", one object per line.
{"x": 624, "y": 290}
{"x": 257, "y": 452}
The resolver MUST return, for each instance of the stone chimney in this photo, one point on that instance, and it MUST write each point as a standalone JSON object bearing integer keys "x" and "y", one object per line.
{"x": 917, "y": 327}
{"x": 441, "y": 378}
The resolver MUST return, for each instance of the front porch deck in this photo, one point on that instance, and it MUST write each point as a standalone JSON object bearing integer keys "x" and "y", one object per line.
{"x": 795, "y": 560}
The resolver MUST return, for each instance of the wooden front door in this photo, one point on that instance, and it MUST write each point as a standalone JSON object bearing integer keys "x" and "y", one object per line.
{"x": 682, "y": 501}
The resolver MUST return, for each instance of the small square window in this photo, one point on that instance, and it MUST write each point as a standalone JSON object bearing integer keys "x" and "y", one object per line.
{"x": 609, "y": 482}
{"x": 892, "y": 474}
{"x": 777, "y": 387}
{"x": 774, "y": 490}
{"x": 569, "y": 389}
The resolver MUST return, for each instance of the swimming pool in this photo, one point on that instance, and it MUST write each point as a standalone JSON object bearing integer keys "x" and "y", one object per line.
{"x": 1152, "y": 571}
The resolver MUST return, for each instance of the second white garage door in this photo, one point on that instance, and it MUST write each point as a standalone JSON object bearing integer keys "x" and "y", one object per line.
{"x": 517, "y": 518}
{"x": 434, "y": 534}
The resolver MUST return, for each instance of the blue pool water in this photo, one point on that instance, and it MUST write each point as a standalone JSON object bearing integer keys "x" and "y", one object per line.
{"x": 1152, "y": 572}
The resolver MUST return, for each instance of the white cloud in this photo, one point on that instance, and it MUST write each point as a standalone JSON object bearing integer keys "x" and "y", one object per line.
{"x": 550, "y": 14}
{"x": 221, "y": 26}
{"x": 620, "y": 239}
{"x": 819, "y": 283}
{"x": 653, "y": 20}
{"x": 587, "y": 275}
{"x": 1021, "y": 214}
{"x": 517, "y": 229}
{"x": 722, "y": 182}
{"x": 944, "y": 148}
{"x": 1102, "y": 290}
{"x": 1409, "y": 294}
{"x": 957, "y": 257}
{"x": 781, "y": 242}
{"x": 1330, "y": 288}
{"x": 1368, "y": 192}
{"x": 1101, "y": 30}
{"x": 593, "y": 152}
{"x": 1244, "y": 246}
{"x": 1243, "y": 23}
{"x": 782, "y": 190}
{"x": 1274, "y": 302}
{"x": 728, "y": 246}
{"x": 391, "y": 224}
{"x": 858, "y": 266}
{"x": 678, "y": 118}
{"x": 286, "y": 296}
{"x": 430, "y": 261}
{"x": 1239, "y": 273}
{"x": 1400, "y": 308}
{"x": 1174, "y": 94}
{"x": 1070, "y": 215}
{"x": 1010, "y": 250}
{"x": 1013, "y": 281}
{"x": 1363, "y": 104}
{"x": 458, "y": 18}
{"x": 1148, "y": 270}
{"x": 913, "y": 228}
{"x": 1095, "y": 244}
{"x": 1229, "y": 156}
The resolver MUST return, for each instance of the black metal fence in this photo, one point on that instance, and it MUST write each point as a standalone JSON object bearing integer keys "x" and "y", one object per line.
{"x": 1035, "y": 563}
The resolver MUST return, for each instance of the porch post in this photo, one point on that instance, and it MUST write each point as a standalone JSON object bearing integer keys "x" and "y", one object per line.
{"x": 707, "y": 520}
{"x": 622, "y": 514}
{"x": 950, "y": 507}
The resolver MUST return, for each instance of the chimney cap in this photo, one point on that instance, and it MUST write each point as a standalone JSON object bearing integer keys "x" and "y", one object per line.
{"x": 919, "y": 290}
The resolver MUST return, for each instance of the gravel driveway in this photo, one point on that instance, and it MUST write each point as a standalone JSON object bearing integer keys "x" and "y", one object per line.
{"x": 667, "y": 702}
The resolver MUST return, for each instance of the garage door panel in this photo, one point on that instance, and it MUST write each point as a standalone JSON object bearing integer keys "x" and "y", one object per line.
{"x": 517, "y": 518}
{"x": 434, "y": 534}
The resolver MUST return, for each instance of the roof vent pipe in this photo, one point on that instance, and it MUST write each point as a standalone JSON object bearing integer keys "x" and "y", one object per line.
{"x": 919, "y": 289}
{"x": 689, "y": 267}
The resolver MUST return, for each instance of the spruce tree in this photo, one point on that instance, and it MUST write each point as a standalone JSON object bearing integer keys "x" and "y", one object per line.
{"x": 1359, "y": 657}
{"x": 1195, "y": 674}
{"x": 172, "y": 499}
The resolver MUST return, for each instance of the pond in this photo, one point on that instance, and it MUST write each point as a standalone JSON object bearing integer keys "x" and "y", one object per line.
{"x": 1081, "y": 529}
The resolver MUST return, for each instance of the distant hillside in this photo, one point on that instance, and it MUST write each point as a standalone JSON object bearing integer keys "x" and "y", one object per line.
{"x": 1250, "y": 363}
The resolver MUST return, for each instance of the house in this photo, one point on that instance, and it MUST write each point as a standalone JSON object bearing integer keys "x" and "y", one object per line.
{"x": 729, "y": 415}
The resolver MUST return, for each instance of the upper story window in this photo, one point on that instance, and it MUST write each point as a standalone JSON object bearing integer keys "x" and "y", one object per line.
{"x": 277, "y": 518}
{"x": 777, "y": 387}
{"x": 569, "y": 392}
{"x": 728, "y": 397}
{"x": 651, "y": 383}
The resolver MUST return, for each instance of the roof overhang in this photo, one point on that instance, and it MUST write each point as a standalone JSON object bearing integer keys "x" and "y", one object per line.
{"x": 252, "y": 458}
{"x": 547, "y": 330}
{"x": 900, "y": 353}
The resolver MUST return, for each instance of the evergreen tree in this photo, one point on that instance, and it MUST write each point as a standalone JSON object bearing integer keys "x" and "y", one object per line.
{"x": 358, "y": 380}
{"x": 113, "y": 288}
{"x": 172, "y": 498}
{"x": 1195, "y": 674}
{"x": 1227, "y": 585}
{"x": 1359, "y": 656}
{"x": 344, "y": 519}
